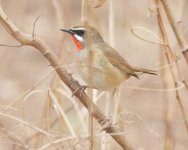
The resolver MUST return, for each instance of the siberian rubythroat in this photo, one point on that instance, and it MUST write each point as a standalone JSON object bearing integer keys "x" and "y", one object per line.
{"x": 109, "y": 69}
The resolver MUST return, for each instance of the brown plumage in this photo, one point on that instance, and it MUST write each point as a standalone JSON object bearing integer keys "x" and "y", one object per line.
{"x": 113, "y": 56}
{"x": 109, "y": 68}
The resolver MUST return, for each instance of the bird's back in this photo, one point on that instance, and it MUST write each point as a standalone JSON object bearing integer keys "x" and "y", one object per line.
{"x": 118, "y": 61}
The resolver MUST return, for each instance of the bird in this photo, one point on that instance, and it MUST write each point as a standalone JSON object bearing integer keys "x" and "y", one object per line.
{"x": 109, "y": 68}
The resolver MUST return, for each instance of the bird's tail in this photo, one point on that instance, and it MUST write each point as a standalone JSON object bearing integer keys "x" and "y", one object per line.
{"x": 142, "y": 70}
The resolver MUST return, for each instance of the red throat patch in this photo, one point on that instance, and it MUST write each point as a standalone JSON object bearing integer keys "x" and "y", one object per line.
{"x": 77, "y": 43}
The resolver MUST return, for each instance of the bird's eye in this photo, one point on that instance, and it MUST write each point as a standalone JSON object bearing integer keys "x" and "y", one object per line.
{"x": 80, "y": 32}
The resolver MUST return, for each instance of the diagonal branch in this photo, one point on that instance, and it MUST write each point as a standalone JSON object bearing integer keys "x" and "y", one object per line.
{"x": 73, "y": 85}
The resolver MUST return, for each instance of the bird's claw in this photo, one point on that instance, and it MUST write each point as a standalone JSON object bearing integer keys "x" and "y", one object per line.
{"x": 83, "y": 88}
{"x": 106, "y": 124}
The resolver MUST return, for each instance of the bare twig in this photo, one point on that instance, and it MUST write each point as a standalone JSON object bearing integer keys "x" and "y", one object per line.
{"x": 169, "y": 105}
{"x": 61, "y": 112}
{"x": 27, "y": 124}
{"x": 34, "y": 24}
{"x": 36, "y": 42}
{"x": 168, "y": 51}
{"x": 85, "y": 8}
{"x": 179, "y": 36}
{"x": 160, "y": 42}
{"x": 14, "y": 138}
{"x": 6, "y": 45}
{"x": 96, "y": 3}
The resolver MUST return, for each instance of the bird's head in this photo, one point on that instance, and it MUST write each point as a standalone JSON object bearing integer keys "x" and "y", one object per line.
{"x": 83, "y": 36}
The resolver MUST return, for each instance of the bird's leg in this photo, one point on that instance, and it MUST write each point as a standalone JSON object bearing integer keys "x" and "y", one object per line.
{"x": 112, "y": 99}
{"x": 106, "y": 123}
{"x": 110, "y": 110}
{"x": 117, "y": 106}
{"x": 110, "y": 107}
{"x": 114, "y": 92}
{"x": 83, "y": 88}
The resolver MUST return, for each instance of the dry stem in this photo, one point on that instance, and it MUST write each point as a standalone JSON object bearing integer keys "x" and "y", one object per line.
{"x": 168, "y": 52}
{"x": 179, "y": 36}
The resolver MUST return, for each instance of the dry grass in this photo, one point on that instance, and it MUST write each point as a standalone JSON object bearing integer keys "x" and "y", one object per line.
{"x": 37, "y": 109}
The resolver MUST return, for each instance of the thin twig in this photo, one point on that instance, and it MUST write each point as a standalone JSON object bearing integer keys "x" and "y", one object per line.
{"x": 34, "y": 24}
{"x": 62, "y": 112}
{"x": 6, "y": 45}
{"x": 166, "y": 83}
{"x": 179, "y": 35}
{"x": 27, "y": 124}
{"x": 85, "y": 8}
{"x": 169, "y": 51}
{"x": 150, "y": 32}
{"x": 14, "y": 138}
{"x": 96, "y": 3}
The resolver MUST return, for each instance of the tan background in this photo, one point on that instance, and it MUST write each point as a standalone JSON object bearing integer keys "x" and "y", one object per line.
{"x": 22, "y": 67}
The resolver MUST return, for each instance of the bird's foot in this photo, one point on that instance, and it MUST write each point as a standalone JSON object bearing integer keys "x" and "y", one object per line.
{"x": 107, "y": 124}
{"x": 82, "y": 88}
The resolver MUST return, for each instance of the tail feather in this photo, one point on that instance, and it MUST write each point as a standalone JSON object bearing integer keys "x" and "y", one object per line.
{"x": 148, "y": 71}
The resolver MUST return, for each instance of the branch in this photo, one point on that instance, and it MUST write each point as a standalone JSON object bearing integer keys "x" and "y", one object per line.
{"x": 169, "y": 52}
{"x": 179, "y": 36}
{"x": 73, "y": 85}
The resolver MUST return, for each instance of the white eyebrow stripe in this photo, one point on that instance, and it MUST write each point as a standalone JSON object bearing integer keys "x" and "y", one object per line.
{"x": 78, "y": 29}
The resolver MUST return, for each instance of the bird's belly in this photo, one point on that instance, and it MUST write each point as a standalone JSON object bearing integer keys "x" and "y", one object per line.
{"x": 102, "y": 77}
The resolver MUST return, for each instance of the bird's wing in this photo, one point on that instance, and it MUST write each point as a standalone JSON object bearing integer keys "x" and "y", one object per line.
{"x": 115, "y": 58}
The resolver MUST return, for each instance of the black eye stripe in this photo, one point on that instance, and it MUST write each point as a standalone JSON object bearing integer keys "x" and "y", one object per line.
{"x": 79, "y": 32}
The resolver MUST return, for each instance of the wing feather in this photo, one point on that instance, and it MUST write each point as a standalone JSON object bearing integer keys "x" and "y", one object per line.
{"x": 115, "y": 58}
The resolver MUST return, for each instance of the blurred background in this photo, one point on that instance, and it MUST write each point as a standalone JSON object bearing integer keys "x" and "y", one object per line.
{"x": 30, "y": 90}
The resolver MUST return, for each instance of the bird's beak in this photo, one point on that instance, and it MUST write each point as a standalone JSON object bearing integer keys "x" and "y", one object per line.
{"x": 67, "y": 30}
